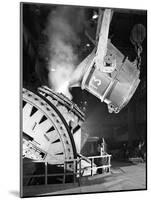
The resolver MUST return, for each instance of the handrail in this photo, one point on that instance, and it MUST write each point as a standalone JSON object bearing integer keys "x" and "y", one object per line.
{"x": 103, "y": 156}
{"x": 76, "y": 172}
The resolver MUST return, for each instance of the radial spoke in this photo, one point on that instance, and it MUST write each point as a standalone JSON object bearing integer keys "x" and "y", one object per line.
{"x": 44, "y": 130}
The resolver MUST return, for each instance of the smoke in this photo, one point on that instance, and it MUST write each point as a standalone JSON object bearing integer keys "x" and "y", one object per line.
{"x": 63, "y": 28}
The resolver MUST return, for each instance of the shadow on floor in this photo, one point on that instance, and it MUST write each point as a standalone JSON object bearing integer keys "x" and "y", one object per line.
{"x": 14, "y": 193}
{"x": 117, "y": 164}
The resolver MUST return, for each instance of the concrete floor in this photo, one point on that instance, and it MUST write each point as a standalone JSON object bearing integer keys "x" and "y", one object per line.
{"x": 123, "y": 176}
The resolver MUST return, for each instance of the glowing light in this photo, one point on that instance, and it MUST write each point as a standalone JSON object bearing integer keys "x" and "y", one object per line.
{"x": 64, "y": 89}
{"x": 95, "y": 15}
{"x": 53, "y": 69}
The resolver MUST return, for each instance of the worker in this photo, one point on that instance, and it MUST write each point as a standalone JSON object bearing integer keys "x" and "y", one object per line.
{"x": 140, "y": 151}
{"x": 102, "y": 146}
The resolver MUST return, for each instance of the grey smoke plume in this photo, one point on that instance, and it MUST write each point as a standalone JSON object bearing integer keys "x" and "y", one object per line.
{"x": 64, "y": 26}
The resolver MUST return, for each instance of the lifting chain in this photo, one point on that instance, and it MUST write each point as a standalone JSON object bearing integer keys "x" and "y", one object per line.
{"x": 138, "y": 49}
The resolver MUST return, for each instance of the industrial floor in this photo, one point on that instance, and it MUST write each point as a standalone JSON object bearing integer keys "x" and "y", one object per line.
{"x": 123, "y": 176}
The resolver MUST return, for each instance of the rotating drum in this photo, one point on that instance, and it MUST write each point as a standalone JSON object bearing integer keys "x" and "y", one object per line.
{"x": 50, "y": 122}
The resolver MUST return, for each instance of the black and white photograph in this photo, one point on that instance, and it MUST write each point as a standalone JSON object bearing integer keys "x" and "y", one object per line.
{"x": 83, "y": 99}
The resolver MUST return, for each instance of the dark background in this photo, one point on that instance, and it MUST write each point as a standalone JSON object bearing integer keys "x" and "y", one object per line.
{"x": 131, "y": 123}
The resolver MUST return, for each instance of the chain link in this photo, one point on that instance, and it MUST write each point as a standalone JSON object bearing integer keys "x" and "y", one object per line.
{"x": 138, "y": 49}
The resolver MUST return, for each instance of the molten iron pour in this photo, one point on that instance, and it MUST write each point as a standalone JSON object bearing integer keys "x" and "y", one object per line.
{"x": 106, "y": 73}
{"x": 51, "y": 122}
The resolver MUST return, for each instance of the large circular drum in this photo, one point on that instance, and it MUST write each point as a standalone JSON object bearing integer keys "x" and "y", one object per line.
{"x": 50, "y": 124}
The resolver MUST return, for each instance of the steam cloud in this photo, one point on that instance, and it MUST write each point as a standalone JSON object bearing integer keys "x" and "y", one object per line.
{"x": 63, "y": 29}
